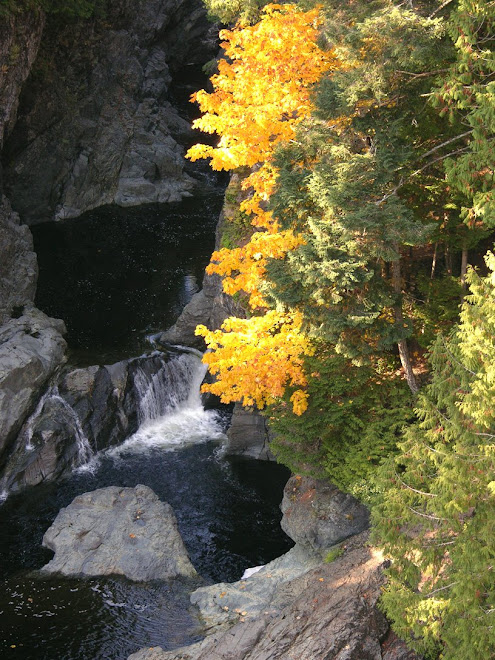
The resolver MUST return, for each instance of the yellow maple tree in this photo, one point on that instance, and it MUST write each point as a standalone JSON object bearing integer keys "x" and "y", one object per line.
{"x": 257, "y": 358}
{"x": 260, "y": 94}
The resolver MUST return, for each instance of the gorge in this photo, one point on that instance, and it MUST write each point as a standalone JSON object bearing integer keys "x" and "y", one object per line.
{"x": 94, "y": 129}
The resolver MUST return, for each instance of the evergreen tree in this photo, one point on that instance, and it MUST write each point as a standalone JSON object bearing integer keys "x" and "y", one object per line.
{"x": 354, "y": 418}
{"x": 437, "y": 518}
{"x": 346, "y": 182}
{"x": 468, "y": 95}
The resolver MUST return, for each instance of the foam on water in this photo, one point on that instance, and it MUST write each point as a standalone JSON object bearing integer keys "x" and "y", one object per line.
{"x": 170, "y": 409}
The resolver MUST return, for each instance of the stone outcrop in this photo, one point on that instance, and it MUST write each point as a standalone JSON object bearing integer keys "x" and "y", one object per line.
{"x": 96, "y": 124}
{"x": 20, "y": 37}
{"x": 31, "y": 349}
{"x": 118, "y": 531}
{"x": 248, "y": 435}
{"x": 299, "y": 606}
{"x": 82, "y": 412}
{"x": 332, "y": 614}
{"x": 317, "y": 515}
{"x": 209, "y": 307}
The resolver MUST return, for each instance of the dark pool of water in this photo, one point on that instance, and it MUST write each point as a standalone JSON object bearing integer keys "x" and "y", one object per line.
{"x": 228, "y": 515}
{"x": 115, "y": 275}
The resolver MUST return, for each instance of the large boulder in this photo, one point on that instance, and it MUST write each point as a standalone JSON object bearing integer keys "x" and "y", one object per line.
{"x": 31, "y": 349}
{"x": 121, "y": 531}
{"x": 318, "y": 515}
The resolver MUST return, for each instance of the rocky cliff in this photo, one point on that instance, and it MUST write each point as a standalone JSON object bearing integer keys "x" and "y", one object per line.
{"x": 20, "y": 37}
{"x": 299, "y": 605}
{"x": 96, "y": 123}
{"x": 86, "y": 119}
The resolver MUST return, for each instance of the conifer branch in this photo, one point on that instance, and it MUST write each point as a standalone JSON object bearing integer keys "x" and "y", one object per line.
{"x": 444, "y": 144}
{"x": 438, "y": 9}
{"x": 436, "y": 591}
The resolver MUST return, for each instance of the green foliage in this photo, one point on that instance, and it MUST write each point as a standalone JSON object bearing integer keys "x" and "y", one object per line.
{"x": 468, "y": 94}
{"x": 231, "y": 11}
{"x": 350, "y": 182}
{"x": 354, "y": 417}
{"x": 440, "y": 308}
{"x": 437, "y": 516}
{"x": 236, "y": 227}
{"x": 333, "y": 554}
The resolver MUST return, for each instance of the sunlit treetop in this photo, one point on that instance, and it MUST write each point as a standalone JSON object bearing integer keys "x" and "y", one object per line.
{"x": 262, "y": 89}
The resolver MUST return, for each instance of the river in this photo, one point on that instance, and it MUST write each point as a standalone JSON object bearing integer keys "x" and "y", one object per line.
{"x": 117, "y": 276}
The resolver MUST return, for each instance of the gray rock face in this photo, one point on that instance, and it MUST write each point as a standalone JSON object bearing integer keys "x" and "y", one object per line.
{"x": 268, "y": 590}
{"x": 209, "y": 307}
{"x": 82, "y": 412}
{"x": 31, "y": 348}
{"x": 18, "y": 266}
{"x": 47, "y": 448}
{"x": 20, "y": 36}
{"x": 317, "y": 515}
{"x": 332, "y": 615}
{"x": 248, "y": 435}
{"x": 122, "y": 531}
{"x": 95, "y": 124}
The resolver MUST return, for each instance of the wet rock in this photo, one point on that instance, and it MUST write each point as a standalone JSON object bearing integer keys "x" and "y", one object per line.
{"x": 93, "y": 396}
{"x": 269, "y": 589}
{"x": 196, "y": 312}
{"x": 209, "y": 307}
{"x": 49, "y": 449}
{"x": 248, "y": 435}
{"x": 18, "y": 266}
{"x": 31, "y": 349}
{"x": 318, "y": 515}
{"x": 121, "y": 531}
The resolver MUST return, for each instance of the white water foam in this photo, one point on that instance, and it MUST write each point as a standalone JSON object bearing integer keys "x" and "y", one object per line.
{"x": 171, "y": 413}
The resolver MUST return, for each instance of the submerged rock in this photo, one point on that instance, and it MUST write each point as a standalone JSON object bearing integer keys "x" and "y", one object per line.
{"x": 121, "y": 531}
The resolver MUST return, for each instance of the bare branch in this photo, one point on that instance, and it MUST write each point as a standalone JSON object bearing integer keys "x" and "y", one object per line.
{"x": 415, "y": 490}
{"x": 444, "y": 4}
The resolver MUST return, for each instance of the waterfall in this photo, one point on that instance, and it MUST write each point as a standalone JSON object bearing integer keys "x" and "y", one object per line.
{"x": 84, "y": 451}
{"x": 170, "y": 411}
{"x": 174, "y": 385}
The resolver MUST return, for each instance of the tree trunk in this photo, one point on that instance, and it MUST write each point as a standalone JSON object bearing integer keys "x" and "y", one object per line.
{"x": 464, "y": 265}
{"x": 432, "y": 274}
{"x": 448, "y": 260}
{"x": 399, "y": 321}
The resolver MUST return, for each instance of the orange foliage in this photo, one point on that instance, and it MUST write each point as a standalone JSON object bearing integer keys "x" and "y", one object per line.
{"x": 243, "y": 267}
{"x": 263, "y": 91}
{"x": 260, "y": 94}
{"x": 257, "y": 359}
